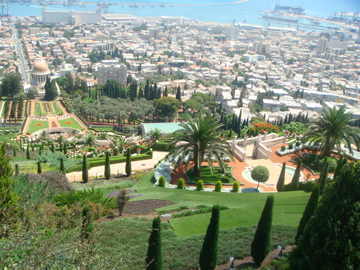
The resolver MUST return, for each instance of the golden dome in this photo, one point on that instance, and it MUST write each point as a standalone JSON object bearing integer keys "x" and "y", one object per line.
{"x": 41, "y": 67}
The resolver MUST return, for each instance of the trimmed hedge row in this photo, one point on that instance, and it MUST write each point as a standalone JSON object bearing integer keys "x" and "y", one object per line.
{"x": 162, "y": 146}
{"x": 113, "y": 160}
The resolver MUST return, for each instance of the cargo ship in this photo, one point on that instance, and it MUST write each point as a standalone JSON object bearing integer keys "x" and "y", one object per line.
{"x": 295, "y": 10}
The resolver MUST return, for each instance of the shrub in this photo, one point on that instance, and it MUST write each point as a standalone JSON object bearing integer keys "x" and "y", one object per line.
{"x": 181, "y": 183}
{"x": 162, "y": 181}
{"x": 218, "y": 186}
{"x": 200, "y": 185}
{"x": 283, "y": 148}
{"x": 236, "y": 186}
{"x": 84, "y": 197}
{"x": 332, "y": 164}
{"x": 291, "y": 145}
{"x": 298, "y": 143}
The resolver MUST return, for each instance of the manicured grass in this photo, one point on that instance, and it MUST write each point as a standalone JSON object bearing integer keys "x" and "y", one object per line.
{"x": 207, "y": 177}
{"x": 57, "y": 108}
{"x": 104, "y": 129}
{"x": 70, "y": 122}
{"x": 36, "y": 125}
{"x": 245, "y": 208}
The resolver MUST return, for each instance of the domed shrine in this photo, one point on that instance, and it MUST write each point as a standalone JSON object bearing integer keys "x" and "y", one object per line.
{"x": 40, "y": 73}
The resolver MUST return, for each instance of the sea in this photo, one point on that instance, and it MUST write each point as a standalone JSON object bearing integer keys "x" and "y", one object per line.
{"x": 223, "y": 11}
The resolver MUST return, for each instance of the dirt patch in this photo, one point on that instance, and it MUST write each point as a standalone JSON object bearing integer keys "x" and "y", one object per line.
{"x": 145, "y": 207}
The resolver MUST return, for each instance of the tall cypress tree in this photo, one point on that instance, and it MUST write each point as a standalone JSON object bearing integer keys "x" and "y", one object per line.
{"x": 309, "y": 211}
{"x": 260, "y": 246}
{"x": 17, "y": 169}
{"x": 86, "y": 226}
{"x": 28, "y": 152}
{"x": 330, "y": 240}
{"x": 323, "y": 177}
{"x": 281, "y": 182}
{"x": 62, "y": 167}
{"x": 128, "y": 163}
{"x": 209, "y": 250}
{"x": 107, "y": 166}
{"x": 154, "y": 257}
{"x": 8, "y": 198}
{"x": 39, "y": 170}
{"x": 85, "y": 173}
{"x": 296, "y": 177}
{"x": 178, "y": 93}
{"x": 65, "y": 148}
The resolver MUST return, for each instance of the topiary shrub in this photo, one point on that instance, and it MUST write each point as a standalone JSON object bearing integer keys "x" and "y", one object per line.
{"x": 200, "y": 185}
{"x": 236, "y": 186}
{"x": 291, "y": 145}
{"x": 298, "y": 143}
{"x": 218, "y": 186}
{"x": 283, "y": 148}
{"x": 181, "y": 183}
{"x": 162, "y": 181}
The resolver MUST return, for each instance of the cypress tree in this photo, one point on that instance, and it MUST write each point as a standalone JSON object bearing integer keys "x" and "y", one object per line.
{"x": 154, "y": 257}
{"x": 27, "y": 152}
{"x": 296, "y": 177}
{"x": 16, "y": 169}
{"x": 14, "y": 152}
{"x": 331, "y": 238}
{"x": 107, "y": 166}
{"x": 62, "y": 167}
{"x": 52, "y": 148}
{"x": 341, "y": 162}
{"x": 9, "y": 198}
{"x": 65, "y": 148}
{"x": 309, "y": 211}
{"x": 178, "y": 93}
{"x": 281, "y": 182}
{"x": 86, "y": 226}
{"x": 209, "y": 250}
{"x": 128, "y": 163}
{"x": 39, "y": 170}
{"x": 323, "y": 177}
{"x": 260, "y": 246}
{"x": 85, "y": 173}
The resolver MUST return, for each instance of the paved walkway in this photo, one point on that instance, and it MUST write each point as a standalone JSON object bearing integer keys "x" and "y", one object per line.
{"x": 119, "y": 168}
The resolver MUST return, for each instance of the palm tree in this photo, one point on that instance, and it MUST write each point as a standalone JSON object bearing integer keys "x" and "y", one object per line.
{"x": 332, "y": 129}
{"x": 200, "y": 136}
{"x": 90, "y": 141}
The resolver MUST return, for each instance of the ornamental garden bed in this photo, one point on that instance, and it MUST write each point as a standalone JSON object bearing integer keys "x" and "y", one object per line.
{"x": 208, "y": 178}
{"x": 36, "y": 125}
{"x": 71, "y": 122}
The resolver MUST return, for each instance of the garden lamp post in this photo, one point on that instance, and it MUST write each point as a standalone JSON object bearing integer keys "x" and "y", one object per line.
{"x": 232, "y": 260}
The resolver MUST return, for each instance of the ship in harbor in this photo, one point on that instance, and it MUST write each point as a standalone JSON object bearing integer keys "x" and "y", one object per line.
{"x": 296, "y": 10}
{"x": 282, "y": 19}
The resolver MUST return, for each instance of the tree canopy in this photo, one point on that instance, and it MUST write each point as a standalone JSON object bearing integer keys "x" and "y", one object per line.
{"x": 332, "y": 129}
{"x": 11, "y": 85}
{"x": 200, "y": 137}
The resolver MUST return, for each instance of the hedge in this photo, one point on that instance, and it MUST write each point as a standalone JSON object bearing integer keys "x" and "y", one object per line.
{"x": 162, "y": 146}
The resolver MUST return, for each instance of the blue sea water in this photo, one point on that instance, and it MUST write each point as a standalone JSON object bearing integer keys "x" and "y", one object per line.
{"x": 222, "y": 10}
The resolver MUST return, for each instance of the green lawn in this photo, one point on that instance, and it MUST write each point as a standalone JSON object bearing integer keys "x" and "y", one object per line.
{"x": 70, "y": 122}
{"x": 245, "y": 208}
{"x": 57, "y": 108}
{"x": 207, "y": 177}
{"x": 51, "y": 108}
{"x": 37, "y": 109}
{"x": 36, "y": 125}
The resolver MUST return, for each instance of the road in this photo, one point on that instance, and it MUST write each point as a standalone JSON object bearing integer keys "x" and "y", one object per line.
{"x": 22, "y": 63}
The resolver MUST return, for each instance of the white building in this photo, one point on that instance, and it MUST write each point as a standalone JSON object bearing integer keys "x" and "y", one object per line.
{"x": 40, "y": 73}
{"x": 71, "y": 16}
